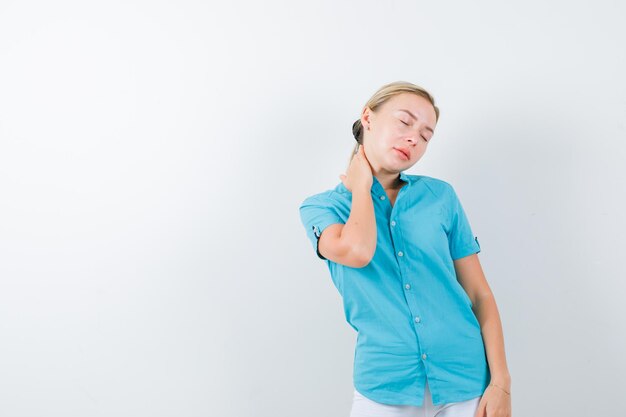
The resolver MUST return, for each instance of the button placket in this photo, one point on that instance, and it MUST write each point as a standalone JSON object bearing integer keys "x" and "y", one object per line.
{"x": 407, "y": 286}
{"x": 397, "y": 238}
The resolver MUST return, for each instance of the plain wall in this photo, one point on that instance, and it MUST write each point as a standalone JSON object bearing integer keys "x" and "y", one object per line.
{"x": 153, "y": 156}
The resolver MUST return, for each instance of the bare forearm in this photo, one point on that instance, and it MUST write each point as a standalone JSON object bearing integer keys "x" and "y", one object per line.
{"x": 486, "y": 312}
{"x": 359, "y": 232}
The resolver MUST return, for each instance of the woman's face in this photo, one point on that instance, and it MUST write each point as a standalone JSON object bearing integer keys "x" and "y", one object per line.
{"x": 404, "y": 124}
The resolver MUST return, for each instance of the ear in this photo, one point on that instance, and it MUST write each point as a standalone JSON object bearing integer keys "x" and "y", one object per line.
{"x": 365, "y": 116}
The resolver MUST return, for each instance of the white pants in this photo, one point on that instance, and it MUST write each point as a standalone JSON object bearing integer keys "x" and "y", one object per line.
{"x": 364, "y": 407}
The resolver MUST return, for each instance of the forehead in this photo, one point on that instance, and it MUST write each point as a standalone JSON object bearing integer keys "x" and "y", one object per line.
{"x": 417, "y": 105}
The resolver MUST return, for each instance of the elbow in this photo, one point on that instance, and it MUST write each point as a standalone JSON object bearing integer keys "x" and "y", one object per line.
{"x": 358, "y": 252}
{"x": 362, "y": 256}
{"x": 479, "y": 298}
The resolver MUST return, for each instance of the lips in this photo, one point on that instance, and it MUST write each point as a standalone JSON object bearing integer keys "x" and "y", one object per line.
{"x": 405, "y": 152}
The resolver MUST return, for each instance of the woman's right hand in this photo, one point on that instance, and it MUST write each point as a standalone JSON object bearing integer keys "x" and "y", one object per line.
{"x": 359, "y": 173}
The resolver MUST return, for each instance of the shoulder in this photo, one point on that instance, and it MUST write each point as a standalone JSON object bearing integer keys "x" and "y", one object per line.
{"x": 338, "y": 195}
{"x": 327, "y": 198}
{"x": 438, "y": 186}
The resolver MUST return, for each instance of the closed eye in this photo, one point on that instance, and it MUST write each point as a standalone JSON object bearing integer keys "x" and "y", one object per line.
{"x": 425, "y": 140}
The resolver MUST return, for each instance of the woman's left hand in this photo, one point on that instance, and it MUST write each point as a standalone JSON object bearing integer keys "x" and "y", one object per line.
{"x": 494, "y": 403}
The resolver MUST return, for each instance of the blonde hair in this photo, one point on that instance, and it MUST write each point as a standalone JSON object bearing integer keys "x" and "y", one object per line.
{"x": 383, "y": 94}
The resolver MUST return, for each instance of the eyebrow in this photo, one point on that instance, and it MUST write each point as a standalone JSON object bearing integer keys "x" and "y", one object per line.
{"x": 415, "y": 117}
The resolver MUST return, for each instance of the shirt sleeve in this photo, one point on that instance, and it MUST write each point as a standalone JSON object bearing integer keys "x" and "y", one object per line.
{"x": 461, "y": 239}
{"x": 316, "y": 214}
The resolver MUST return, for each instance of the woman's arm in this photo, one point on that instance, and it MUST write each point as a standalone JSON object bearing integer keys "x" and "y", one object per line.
{"x": 354, "y": 243}
{"x": 471, "y": 277}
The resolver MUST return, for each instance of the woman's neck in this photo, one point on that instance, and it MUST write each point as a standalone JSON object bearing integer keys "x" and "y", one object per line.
{"x": 391, "y": 184}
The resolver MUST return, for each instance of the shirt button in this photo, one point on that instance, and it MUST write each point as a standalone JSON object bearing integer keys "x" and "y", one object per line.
{"x": 393, "y": 222}
{"x": 400, "y": 253}
{"x": 423, "y": 356}
{"x": 382, "y": 197}
{"x": 407, "y": 286}
{"x": 417, "y": 319}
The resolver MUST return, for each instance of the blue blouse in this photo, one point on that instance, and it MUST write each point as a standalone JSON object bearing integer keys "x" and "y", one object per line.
{"x": 413, "y": 318}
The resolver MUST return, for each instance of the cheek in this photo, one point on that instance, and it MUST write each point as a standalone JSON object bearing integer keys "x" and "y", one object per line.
{"x": 397, "y": 131}
{"x": 389, "y": 138}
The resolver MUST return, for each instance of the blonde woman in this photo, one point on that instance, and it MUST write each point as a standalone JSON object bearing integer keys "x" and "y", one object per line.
{"x": 402, "y": 254}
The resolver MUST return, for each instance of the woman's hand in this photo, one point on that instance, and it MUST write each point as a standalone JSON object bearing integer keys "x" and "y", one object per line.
{"x": 494, "y": 403}
{"x": 359, "y": 173}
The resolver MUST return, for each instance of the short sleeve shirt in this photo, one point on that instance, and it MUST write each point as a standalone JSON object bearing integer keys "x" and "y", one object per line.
{"x": 413, "y": 318}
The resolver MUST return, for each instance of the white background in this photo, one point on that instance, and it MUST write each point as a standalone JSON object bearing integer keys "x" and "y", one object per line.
{"x": 153, "y": 156}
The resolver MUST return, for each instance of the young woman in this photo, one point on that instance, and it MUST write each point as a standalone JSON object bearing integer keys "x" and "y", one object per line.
{"x": 402, "y": 254}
